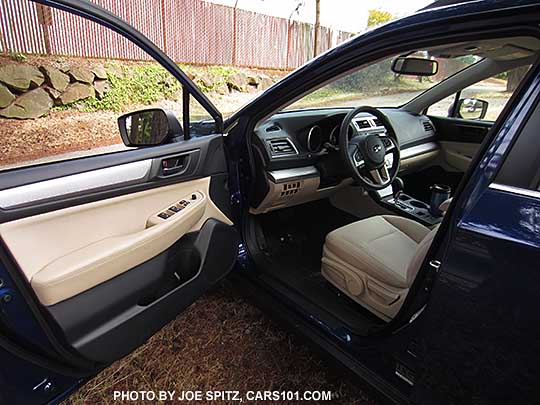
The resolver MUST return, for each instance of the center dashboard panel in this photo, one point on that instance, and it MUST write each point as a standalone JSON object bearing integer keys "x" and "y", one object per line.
{"x": 297, "y": 156}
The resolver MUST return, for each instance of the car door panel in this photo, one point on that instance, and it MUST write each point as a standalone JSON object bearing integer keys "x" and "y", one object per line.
{"x": 96, "y": 235}
{"x": 458, "y": 155}
{"x": 459, "y": 140}
{"x": 112, "y": 319}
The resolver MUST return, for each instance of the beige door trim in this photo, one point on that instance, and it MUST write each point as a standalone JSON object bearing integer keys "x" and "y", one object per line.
{"x": 65, "y": 252}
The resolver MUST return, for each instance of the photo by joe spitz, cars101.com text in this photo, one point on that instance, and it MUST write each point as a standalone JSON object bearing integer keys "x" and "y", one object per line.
{"x": 207, "y": 202}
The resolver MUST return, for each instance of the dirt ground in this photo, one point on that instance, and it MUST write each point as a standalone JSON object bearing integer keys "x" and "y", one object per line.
{"x": 221, "y": 342}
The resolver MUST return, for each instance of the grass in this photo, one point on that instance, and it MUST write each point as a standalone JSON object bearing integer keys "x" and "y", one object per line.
{"x": 220, "y": 343}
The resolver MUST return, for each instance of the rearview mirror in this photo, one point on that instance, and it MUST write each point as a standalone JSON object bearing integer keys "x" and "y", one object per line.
{"x": 472, "y": 108}
{"x": 415, "y": 66}
{"x": 149, "y": 127}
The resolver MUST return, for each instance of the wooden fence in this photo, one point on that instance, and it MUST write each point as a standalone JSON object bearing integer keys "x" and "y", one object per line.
{"x": 189, "y": 31}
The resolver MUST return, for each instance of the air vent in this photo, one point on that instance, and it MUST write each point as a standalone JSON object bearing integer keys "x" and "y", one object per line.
{"x": 363, "y": 124}
{"x": 428, "y": 126}
{"x": 281, "y": 147}
{"x": 377, "y": 122}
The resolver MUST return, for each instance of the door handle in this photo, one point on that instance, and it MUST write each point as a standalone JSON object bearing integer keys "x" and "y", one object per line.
{"x": 173, "y": 165}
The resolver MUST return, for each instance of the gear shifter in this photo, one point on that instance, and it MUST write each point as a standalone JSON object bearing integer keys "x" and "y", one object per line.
{"x": 397, "y": 188}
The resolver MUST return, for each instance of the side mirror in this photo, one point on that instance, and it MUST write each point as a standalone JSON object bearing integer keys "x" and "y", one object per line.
{"x": 415, "y": 66}
{"x": 149, "y": 127}
{"x": 472, "y": 108}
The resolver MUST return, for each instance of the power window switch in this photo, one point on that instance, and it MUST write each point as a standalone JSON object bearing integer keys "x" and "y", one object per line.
{"x": 174, "y": 209}
{"x": 163, "y": 215}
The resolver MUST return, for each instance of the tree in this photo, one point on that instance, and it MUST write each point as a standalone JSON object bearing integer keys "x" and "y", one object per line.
{"x": 317, "y": 26}
{"x": 515, "y": 76}
{"x": 378, "y": 17}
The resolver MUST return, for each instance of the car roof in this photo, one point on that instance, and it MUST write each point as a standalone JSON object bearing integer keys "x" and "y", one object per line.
{"x": 442, "y": 3}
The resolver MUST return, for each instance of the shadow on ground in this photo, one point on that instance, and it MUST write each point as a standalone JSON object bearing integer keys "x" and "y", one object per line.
{"x": 220, "y": 343}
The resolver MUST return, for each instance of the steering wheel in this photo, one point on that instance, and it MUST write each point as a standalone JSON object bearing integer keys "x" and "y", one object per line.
{"x": 366, "y": 153}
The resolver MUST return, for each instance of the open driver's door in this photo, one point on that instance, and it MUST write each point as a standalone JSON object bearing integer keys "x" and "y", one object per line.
{"x": 89, "y": 270}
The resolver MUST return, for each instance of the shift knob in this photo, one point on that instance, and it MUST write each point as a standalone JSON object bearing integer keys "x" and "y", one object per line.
{"x": 397, "y": 186}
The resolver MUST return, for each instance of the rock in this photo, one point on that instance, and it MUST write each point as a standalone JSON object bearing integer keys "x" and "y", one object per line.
{"x": 265, "y": 82}
{"x": 102, "y": 87}
{"x": 81, "y": 74}
{"x": 116, "y": 71}
{"x": 21, "y": 77}
{"x": 253, "y": 80}
{"x": 6, "y": 96}
{"x": 221, "y": 88}
{"x": 252, "y": 89}
{"x": 76, "y": 92}
{"x": 55, "y": 78}
{"x": 237, "y": 81}
{"x": 100, "y": 72}
{"x": 33, "y": 104}
{"x": 53, "y": 92}
{"x": 206, "y": 81}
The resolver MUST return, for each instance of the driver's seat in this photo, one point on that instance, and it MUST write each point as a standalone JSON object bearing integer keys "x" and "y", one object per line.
{"x": 374, "y": 261}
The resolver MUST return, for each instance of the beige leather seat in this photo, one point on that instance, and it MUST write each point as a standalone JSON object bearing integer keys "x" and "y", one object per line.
{"x": 375, "y": 261}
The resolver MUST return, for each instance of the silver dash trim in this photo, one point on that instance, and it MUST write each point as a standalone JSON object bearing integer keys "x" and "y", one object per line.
{"x": 64, "y": 186}
{"x": 413, "y": 151}
{"x": 286, "y": 175}
{"x": 515, "y": 190}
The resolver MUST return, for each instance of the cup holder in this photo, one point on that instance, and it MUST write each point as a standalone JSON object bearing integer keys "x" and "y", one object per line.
{"x": 405, "y": 197}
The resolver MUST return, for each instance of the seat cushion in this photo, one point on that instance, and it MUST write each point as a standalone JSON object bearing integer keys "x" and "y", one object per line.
{"x": 381, "y": 246}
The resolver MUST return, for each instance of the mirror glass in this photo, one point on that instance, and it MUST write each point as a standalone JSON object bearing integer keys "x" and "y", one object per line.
{"x": 415, "y": 66}
{"x": 144, "y": 128}
{"x": 472, "y": 108}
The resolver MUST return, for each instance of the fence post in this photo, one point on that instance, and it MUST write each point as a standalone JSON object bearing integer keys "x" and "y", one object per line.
{"x": 44, "y": 15}
{"x": 234, "y": 33}
{"x": 164, "y": 31}
{"x": 288, "y": 43}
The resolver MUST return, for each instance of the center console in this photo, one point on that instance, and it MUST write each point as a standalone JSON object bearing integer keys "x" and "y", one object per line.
{"x": 394, "y": 199}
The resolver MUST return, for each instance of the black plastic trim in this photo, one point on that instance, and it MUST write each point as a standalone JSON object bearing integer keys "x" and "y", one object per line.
{"x": 128, "y": 324}
{"x": 460, "y": 130}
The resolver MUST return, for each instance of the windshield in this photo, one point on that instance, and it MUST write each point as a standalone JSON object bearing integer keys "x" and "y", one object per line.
{"x": 377, "y": 85}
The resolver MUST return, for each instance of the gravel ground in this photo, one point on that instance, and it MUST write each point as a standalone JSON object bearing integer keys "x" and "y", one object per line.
{"x": 221, "y": 342}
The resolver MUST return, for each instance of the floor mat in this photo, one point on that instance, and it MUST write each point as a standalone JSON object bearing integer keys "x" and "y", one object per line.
{"x": 293, "y": 242}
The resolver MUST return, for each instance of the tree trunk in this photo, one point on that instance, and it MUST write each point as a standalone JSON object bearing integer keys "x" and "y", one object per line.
{"x": 515, "y": 76}
{"x": 317, "y": 27}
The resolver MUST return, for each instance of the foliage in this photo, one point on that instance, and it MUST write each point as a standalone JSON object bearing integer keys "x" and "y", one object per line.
{"x": 133, "y": 85}
{"x": 367, "y": 79}
{"x": 378, "y": 17}
{"x": 19, "y": 57}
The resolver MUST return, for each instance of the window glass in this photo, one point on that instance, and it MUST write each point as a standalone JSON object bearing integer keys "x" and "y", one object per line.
{"x": 495, "y": 91}
{"x": 59, "y": 107}
{"x": 377, "y": 86}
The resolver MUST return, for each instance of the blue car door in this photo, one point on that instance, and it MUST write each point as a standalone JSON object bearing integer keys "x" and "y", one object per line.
{"x": 479, "y": 340}
{"x": 90, "y": 267}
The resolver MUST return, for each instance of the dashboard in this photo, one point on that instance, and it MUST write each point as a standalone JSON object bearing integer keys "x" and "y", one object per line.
{"x": 298, "y": 152}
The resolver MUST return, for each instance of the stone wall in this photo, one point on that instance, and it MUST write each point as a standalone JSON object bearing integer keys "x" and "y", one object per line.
{"x": 27, "y": 91}
{"x": 30, "y": 90}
